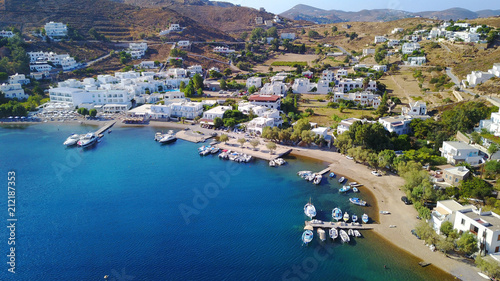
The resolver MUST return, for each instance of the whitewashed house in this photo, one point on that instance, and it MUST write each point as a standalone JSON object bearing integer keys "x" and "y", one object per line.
{"x": 397, "y": 30}
{"x": 492, "y": 125}
{"x": 258, "y": 124}
{"x": 341, "y": 73}
{"x": 195, "y": 69}
{"x": 445, "y": 211}
{"x": 398, "y": 124}
{"x": 6, "y": 34}
{"x": 18, "y": 79}
{"x": 393, "y": 43}
{"x": 457, "y": 152}
{"x": 455, "y": 175}
{"x": 484, "y": 225}
{"x": 12, "y": 91}
{"x": 409, "y": 48}
{"x": 345, "y": 124}
{"x": 56, "y": 29}
{"x": 380, "y": 39}
{"x": 328, "y": 75}
{"x": 416, "y": 61}
{"x": 289, "y": 36}
{"x": 367, "y": 52}
{"x": 211, "y": 114}
{"x": 269, "y": 101}
{"x": 224, "y": 50}
{"x": 188, "y": 110}
{"x": 364, "y": 98}
{"x": 415, "y": 109}
{"x": 137, "y": 50}
{"x": 346, "y": 85}
{"x": 382, "y": 68}
{"x": 274, "y": 88}
{"x": 254, "y": 81}
{"x": 147, "y": 64}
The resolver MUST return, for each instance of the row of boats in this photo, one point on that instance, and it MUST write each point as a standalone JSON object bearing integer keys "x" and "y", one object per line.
{"x": 205, "y": 150}
{"x": 277, "y": 162}
{"x": 83, "y": 140}
{"x": 165, "y": 138}
{"x": 308, "y": 234}
{"x": 310, "y": 176}
{"x": 310, "y": 211}
{"x": 235, "y": 156}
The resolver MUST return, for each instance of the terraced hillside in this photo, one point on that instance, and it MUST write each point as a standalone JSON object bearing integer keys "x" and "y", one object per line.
{"x": 117, "y": 21}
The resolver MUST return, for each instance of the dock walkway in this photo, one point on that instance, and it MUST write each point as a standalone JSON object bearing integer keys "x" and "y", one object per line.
{"x": 339, "y": 225}
{"x": 105, "y": 128}
{"x": 261, "y": 153}
{"x": 323, "y": 172}
{"x": 192, "y": 136}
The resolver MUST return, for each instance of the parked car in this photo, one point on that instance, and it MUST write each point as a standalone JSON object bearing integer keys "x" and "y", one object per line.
{"x": 406, "y": 200}
{"x": 349, "y": 157}
{"x": 375, "y": 173}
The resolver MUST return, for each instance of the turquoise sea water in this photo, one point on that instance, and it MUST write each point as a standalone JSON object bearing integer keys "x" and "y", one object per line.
{"x": 116, "y": 209}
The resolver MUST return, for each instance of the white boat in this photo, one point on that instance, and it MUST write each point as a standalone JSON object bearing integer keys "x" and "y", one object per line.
{"x": 310, "y": 210}
{"x": 350, "y": 232}
{"x": 310, "y": 177}
{"x": 333, "y": 233}
{"x": 355, "y": 189}
{"x": 365, "y": 218}
{"x": 346, "y": 217}
{"x": 357, "y": 233}
{"x": 343, "y": 235}
{"x": 88, "y": 140}
{"x": 344, "y": 189}
{"x": 332, "y": 175}
{"x": 272, "y": 163}
{"x": 354, "y": 218}
{"x": 341, "y": 180}
{"x": 337, "y": 214}
{"x": 72, "y": 140}
{"x": 307, "y": 236}
{"x": 279, "y": 161}
{"x": 317, "y": 179}
{"x": 214, "y": 150}
{"x": 303, "y": 174}
{"x": 167, "y": 138}
{"x": 321, "y": 234}
{"x": 357, "y": 201}
{"x": 158, "y": 136}
{"x": 385, "y": 212}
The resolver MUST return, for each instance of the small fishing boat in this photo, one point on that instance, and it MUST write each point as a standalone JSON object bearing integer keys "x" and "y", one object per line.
{"x": 303, "y": 174}
{"x": 355, "y": 189}
{"x": 385, "y": 212}
{"x": 310, "y": 210}
{"x": 72, "y": 140}
{"x": 337, "y": 214}
{"x": 354, "y": 218}
{"x": 357, "y": 201}
{"x": 272, "y": 163}
{"x": 280, "y": 161}
{"x": 344, "y": 189}
{"x": 333, "y": 233}
{"x": 343, "y": 236}
{"x": 332, "y": 175}
{"x": 317, "y": 179}
{"x": 321, "y": 234}
{"x": 350, "y": 232}
{"x": 341, "y": 180}
{"x": 346, "y": 217}
{"x": 307, "y": 236}
{"x": 424, "y": 264}
{"x": 357, "y": 233}
{"x": 365, "y": 218}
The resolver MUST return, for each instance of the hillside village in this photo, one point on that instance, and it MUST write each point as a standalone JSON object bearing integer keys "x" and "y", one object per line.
{"x": 417, "y": 97}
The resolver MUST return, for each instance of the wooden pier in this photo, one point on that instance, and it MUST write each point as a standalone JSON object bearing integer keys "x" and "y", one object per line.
{"x": 323, "y": 172}
{"x": 105, "y": 128}
{"x": 338, "y": 225}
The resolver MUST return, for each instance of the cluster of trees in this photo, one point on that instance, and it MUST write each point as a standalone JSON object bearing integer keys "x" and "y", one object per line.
{"x": 17, "y": 61}
{"x": 83, "y": 111}
{"x": 231, "y": 85}
{"x": 371, "y": 136}
{"x": 380, "y": 53}
{"x": 292, "y": 48}
{"x": 301, "y": 132}
{"x": 465, "y": 243}
{"x": 12, "y": 108}
{"x": 124, "y": 57}
{"x": 194, "y": 86}
{"x": 94, "y": 34}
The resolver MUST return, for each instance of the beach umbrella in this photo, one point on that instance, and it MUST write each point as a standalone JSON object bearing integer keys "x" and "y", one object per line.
{"x": 308, "y": 227}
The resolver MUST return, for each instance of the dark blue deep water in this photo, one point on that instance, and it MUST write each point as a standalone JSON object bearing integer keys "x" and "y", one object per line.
{"x": 115, "y": 210}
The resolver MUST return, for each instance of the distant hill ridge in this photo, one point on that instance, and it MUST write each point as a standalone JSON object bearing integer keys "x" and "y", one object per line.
{"x": 305, "y": 12}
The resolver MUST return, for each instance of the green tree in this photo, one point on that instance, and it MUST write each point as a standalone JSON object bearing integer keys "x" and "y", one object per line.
{"x": 218, "y": 122}
{"x": 252, "y": 89}
{"x": 272, "y": 32}
{"x": 446, "y": 228}
{"x": 493, "y": 148}
{"x": 475, "y": 188}
{"x": 3, "y": 76}
{"x": 223, "y": 84}
{"x": 334, "y": 29}
{"x": 254, "y": 143}
{"x": 445, "y": 245}
{"x": 241, "y": 141}
{"x": 271, "y": 146}
{"x": 492, "y": 268}
{"x": 227, "y": 72}
{"x": 197, "y": 81}
{"x": 93, "y": 112}
{"x": 467, "y": 243}
{"x": 82, "y": 111}
{"x": 476, "y": 137}
{"x": 386, "y": 158}
{"x": 223, "y": 138}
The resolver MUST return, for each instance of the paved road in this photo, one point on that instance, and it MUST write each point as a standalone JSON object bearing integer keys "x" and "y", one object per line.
{"x": 343, "y": 50}
{"x": 455, "y": 80}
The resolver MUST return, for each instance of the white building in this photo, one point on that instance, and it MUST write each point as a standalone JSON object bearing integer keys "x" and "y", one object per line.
{"x": 76, "y": 97}
{"x": 216, "y": 112}
{"x": 259, "y": 21}
{"x": 455, "y": 175}
{"x": 195, "y": 69}
{"x": 188, "y": 110}
{"x": 269, "y": 101}
{"x": 380, "y": 39}
{"x": 363, "y": 98}
{"x": 484, "y": 225}
{"x": 397, "y": 30}
{"x": 147, "y": 64}
{"x": 415, "y": 109}
{"x": 224, "y": 50}
{"x": 345, "y": 124}
{"x": 328, "y": 75}
{"x": 367, "y": 52}
{"x": 7, "y": 34}
{"x": 258, "y": 124}
{"x": 289, "y": 36}
{"x": 382, "y": 68}
{"x": 445, "y": 211}
{"x": 254, "y": 81}
{"x": 478, "y": 77}
{"x": 18, "y": 79}
{"x": 492, "y": 125}
{"x": 416, "y": 61}
{"x": 137, "y": 50}
{"x": 456, "y": 152}
{"x": 40, "y": 67}
{"x": 346, "y": 85}
{"x": 56, "y": 29}
{"x": 398, "y": 124}
{"x": 320, "y": 131}
{"x": 341, "y": 73}
{"x": 13, "y": 91}
{"x": 409, "y": 48}
{"x": 184, "y": 45}
{"x": 393, "y": 43}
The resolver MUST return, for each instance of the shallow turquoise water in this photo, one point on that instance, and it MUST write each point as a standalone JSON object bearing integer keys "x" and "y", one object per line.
{"x": 118, "y": 208}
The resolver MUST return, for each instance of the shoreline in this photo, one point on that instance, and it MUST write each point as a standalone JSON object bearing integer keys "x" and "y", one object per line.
{"x": 384, "y": 189}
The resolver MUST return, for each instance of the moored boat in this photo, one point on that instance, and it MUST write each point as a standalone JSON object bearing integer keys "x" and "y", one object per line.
{"x": 310, "y": 210}
{"x": 357, "y": 201}
{"x": 317, "y": 179}
{"x": 346, "y": 217}
{"x": 167, "y": 138}
{"x": 337, "y": 214}
{"x": 303, "y": 174}
{"x": 279, "y": 161}
{"x": 72, "y": 140}
{"x": 341, "y": 180}
{"x": 365, "y": 218}
{"x": 333, "y": 233}
{"x": 307, "y": 236}
{"x": 350, "y": 232}
{"x": 354, "y": 218}
{"x": 332, "y": 175}
{"x": 343, "y": 236}
{"x": 344, "y": 189}
{"x": 355, "y": 189}
{"x": 272, "y": 163}
{"x": 321, "y": 234}
{"x": 357, "y": 233}
{"x": 88, "y": 140}
{"x": 385, "y": 212}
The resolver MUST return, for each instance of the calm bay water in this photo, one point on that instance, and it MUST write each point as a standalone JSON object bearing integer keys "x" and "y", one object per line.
{"x": 116, "y": 209}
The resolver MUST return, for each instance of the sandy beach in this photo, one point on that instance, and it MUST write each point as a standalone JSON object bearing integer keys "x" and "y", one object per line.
{"x": 387, "y": 191}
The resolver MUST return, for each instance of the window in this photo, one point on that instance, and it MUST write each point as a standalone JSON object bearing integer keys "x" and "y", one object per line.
{"x": 498, "y": 239}
{"x": 463, "y": 222}
{"x": 496, "y": 249}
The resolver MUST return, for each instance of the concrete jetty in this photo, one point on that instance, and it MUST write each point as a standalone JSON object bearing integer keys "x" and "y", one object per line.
{"x": 192, "y": 136}
{"x": 262, "y": 152}
{"x": 323, "y": 172}
{"x": 105, "y": 128}
{"x": 339, "y": 225}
